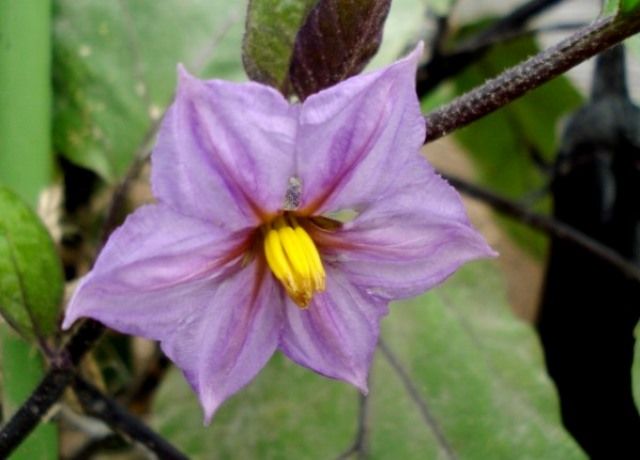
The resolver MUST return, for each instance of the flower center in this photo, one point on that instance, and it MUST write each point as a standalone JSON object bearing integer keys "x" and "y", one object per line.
{"x": 293, "y": 259}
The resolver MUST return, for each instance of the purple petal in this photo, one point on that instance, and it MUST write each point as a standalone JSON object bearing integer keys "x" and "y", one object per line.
{"x": 224, "y": 344}
{"x": 225, "y": 151}
{"x": 337, "y": 335}
{"x": 411, "y": 239}
{"x": 154, "y": 270}
{"x": 352, "y": 134}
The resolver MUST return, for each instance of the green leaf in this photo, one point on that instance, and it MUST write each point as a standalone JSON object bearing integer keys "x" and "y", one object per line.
{"x": 336, "y": 41}
{"x": 115, "y": 70}
{"x": 501, "y": 144}
{"x": 271, "y": 29}
{"x": 441, "y": 7}
{"x": 31, "y": 281}
{"x": 611, "y": 7}
{"x": 22, "y": 369}
{"x": 614, "y": 7}
{"x": 477, "y": 369}
{"x": 628, "y": 6}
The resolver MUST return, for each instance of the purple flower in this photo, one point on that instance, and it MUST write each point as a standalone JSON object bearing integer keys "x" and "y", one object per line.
{"x": 243, "y": 254}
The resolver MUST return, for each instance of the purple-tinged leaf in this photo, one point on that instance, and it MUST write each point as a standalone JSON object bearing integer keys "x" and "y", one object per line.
{"x": 336, "y": 41}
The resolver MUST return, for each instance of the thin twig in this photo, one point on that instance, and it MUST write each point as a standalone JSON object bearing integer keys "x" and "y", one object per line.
{"x": 480, "y": 47}
{"x": 359, "y": 445}
{"x": 50, "y": 389}
{"x": 513, "y": 21}
{"x": 517, "y": 81}
{"x": 141, "y": 392}
{"x": 416, "y": 397}
{"x": 443, "y": 65}
{"x": 121, "y": 421}
{"x": 547, "y": 225}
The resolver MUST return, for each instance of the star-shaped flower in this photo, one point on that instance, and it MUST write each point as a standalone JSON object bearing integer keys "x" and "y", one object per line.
{"x": 243, "y": 254}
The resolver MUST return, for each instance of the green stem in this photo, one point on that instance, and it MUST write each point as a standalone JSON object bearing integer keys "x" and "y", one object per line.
{"x": 25, "y": 96}
{"x": 25, "y": 167}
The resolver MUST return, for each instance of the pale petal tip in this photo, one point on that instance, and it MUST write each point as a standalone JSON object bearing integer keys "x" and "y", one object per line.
{"x": 68, "y": 321}
{"x": 186, "y": 80}
{"x": 363, "y": 388}
{"x": 360, "y": 381}
{"x": 417, "y": 51}
{"x": 485, "y": 250}
{"x": 71, "y": 315}
{"x": 182, "y": 71}
{"x": 210, "y": 405}
{"x": 407, "y": 66}
{"x": 414, "y": 56}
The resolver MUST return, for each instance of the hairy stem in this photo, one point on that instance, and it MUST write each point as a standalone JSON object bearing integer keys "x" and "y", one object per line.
{"x": 121, "y": 421}
{"x": 517, "y": 81}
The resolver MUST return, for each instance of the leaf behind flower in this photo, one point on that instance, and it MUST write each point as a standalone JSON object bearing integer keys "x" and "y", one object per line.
{"x": 477, "y": 369}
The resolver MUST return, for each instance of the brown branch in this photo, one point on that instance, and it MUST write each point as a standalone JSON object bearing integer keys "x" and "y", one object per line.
{"x": 517, "y": 81}
{"x": 121, "y": 421}
{"x": 546, "y": 224}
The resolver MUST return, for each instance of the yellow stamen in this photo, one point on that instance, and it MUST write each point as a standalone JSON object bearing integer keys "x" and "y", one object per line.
{"x": 294, "y": 260}
{"x": 313, "y": 258}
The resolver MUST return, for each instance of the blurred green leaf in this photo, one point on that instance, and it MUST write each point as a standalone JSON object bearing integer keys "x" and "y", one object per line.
{"x": 478, "y": 370}
{"x": 402, "y": 29}
{"x": 441, "y": 7}
{"x": 287, "y": 412}
{"x": 619, "y": 6}
{"x": 611, "y": 7}
{"x": 115, "y": 70}
{"x": 504, "y": 144}
{"x": 627, "y": 6}
{"x": 271, "y": 29}
{"x": 31, "y": 282}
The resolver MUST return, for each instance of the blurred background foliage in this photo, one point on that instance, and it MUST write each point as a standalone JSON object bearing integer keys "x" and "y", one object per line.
{"x": 459, "y": 374}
